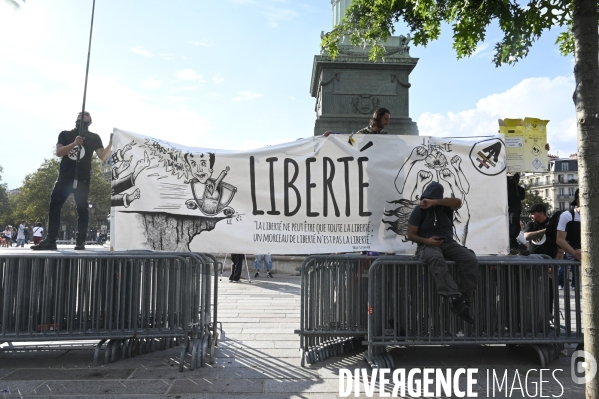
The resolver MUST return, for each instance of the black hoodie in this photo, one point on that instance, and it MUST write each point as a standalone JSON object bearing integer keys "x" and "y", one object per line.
{"x": 435, "y": 221}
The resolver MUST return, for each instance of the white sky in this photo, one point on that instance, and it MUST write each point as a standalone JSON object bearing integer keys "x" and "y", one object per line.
{"x": 233, "y": 74}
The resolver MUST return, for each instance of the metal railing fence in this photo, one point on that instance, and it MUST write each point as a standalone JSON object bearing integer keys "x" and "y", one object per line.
{"x": 334, "y": 294}
{"x": 130, "y": 302}
{"x": 513, "y": 304}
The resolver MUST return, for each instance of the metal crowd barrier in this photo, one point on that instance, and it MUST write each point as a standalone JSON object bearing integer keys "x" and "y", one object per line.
{"x": 131, "y": 302}
{"x": 517, "y": 302}
{"x": 334, "y": 294}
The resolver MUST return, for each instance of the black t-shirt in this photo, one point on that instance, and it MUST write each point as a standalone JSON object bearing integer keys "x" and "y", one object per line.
{"x": 540, "y": 245}
{"x": 438, "y": 221}
{"x": 91, "y": 143}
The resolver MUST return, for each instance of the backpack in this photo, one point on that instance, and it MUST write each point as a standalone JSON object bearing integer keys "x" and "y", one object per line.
{"x": 551, "y": 230}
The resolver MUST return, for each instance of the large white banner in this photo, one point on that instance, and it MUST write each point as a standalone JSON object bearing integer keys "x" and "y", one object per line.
{"x": 315, "y": 195}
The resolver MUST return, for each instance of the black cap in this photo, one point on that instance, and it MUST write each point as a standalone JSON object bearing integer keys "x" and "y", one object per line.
{"x": 537, "y": 208}
{"x": 576, "y": 196}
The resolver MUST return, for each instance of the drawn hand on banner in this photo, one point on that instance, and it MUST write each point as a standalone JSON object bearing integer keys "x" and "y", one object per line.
{"x": 418, "y": 154}
{"x": 456, "y": 162}
{"x": 141, "y": 165}
{"x": 424, "y": 177}
{"x": 123, "y": 183}
{"x": 121, "y": 167}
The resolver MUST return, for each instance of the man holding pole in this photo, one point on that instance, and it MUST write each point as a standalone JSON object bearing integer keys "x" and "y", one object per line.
{"x": 76, "y": 149}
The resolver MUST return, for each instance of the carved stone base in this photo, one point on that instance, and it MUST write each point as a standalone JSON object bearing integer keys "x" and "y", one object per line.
{"x": 350, "y": 124}
{"x": 350, "y": 88}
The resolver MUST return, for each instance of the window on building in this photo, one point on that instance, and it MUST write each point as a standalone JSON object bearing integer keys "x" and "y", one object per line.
{"x": 562, "y": 206}
{"x": 561, "y": 191}
{"x": 565, "y": 166}
{"x": 571, "y": 191}
{"x": 546, "y": 193}
{"x": 560, "y": 178}
{"x": 546, "y": 179}
{"x": 570, "y": 177}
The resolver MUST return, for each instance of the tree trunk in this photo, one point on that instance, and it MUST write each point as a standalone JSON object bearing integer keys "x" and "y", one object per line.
{"x": 586, "y": 99}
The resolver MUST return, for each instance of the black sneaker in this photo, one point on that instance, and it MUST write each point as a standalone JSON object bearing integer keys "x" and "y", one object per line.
{"x": 269, "y": 274}
{"x": 257, "y": 275}
{"x": 80, "y": 247}
{"x": 44, "y": 246}
{"x": 461, "y": 307}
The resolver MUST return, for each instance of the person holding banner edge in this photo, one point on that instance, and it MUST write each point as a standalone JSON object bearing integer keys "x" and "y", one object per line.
{"x": 380, "y": 119}
{"x": 430, "y": 226}
{"x": 71, "y": 145}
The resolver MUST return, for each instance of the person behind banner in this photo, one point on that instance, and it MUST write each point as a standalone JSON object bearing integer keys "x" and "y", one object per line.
{"x": 430, "y": 226}
{"x": 69, "y": 145}
{"x": 515, "y": 195}
{"x": 236, "y": 266}
{"x": 569, "y": 238}
{"x": 535, "y": 229}
{"x": 380, "y": 119}
{"x": 266, "y": 258}
{"x": 539, "y": 244}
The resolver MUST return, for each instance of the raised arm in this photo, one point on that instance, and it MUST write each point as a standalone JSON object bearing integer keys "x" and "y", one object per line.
{"x": 453, "y": 203}
{"x": 103, "y": 153}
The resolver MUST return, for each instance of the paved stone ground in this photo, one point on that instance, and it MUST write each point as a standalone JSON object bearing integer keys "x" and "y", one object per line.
{"x": 257, "y": 357}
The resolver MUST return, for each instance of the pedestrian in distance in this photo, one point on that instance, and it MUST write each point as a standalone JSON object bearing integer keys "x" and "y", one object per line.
{"x": 21, "y": 234}
{"x": 267, "y": 265}
{"x": 38, "y": 232}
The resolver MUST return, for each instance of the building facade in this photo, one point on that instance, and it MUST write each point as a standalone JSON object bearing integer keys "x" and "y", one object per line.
{"x": 558, "y": 184}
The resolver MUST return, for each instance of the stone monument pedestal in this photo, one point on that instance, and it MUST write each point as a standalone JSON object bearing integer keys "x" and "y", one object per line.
{"x": 349, "y": 88}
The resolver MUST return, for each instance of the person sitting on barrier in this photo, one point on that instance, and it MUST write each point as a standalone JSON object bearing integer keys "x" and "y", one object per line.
{"x": 430, "y": 226}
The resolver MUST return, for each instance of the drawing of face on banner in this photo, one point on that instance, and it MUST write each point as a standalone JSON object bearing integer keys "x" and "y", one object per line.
{"x": 315, "y": 195}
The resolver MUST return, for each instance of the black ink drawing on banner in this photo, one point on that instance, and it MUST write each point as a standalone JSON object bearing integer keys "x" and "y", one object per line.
{"x": 488, "y": 156}
{"x": 210, "y": 196}
{"x": 123, "y": 179}
{"x": 427, "y": 163}
{"x": 180, "y": 172}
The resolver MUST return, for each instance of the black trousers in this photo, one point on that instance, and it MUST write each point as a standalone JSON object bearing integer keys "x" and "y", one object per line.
{"x": 62, "y": 189}
{"x": 236, "y": 267}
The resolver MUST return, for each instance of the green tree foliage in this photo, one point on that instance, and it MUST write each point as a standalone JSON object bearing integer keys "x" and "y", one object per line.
{"x": 370, "y": 22}
{"x": 32, "y": 200}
